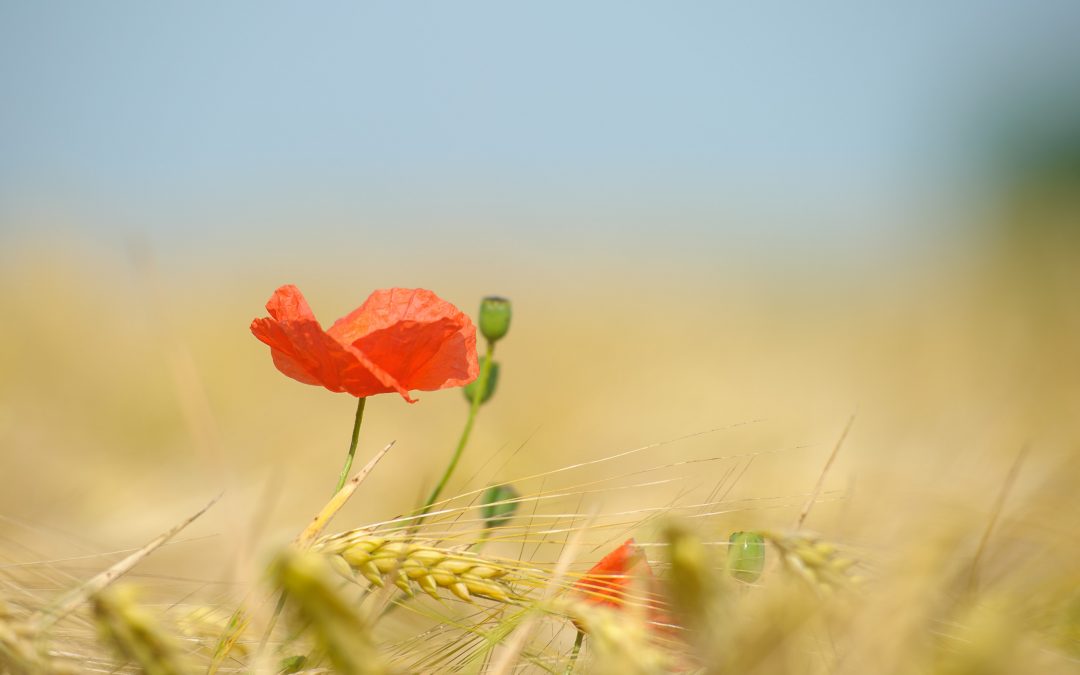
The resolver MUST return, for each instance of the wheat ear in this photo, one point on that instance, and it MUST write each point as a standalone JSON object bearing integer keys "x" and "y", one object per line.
{"x": 409, "y": 562}
{"x": 135, "y": 634}
{"x": 816, "y": 561}
{"x": 338, "y": 628}
{"x": 622, "y": 642}
{"x": 19, "y": 654}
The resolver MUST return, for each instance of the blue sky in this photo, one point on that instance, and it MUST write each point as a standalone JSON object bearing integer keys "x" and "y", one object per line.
{"x": 164, "y": 108}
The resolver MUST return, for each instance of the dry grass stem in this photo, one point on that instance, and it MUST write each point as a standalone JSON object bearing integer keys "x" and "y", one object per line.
{"x": 66, "y": 604}
{"x": 824, "y": 472}
{"x": 508, "y": 655}
{"x": 995, "y": 513}
{"x": 323, "y": 518}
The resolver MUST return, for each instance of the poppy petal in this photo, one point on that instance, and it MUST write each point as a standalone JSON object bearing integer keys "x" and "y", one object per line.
{"x": 287, "y": 358}
{"x": 288, "y": 304}
{"x": 612, "y": 581}
{"x": 302, "y": 350}
{"x": 417, "y": 337}
{"x": 608, "y": 581}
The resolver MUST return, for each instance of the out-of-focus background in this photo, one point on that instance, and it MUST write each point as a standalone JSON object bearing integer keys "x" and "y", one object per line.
{"x": 705, "y": 214}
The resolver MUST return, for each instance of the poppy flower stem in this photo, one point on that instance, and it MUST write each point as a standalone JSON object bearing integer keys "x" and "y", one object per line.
{"x": 361, "y": 401}
{"x": 478, "y": 396}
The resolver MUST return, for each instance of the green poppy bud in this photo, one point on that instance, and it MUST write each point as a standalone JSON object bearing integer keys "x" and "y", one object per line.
{"x": 494, "y": 317}
{"x": 496, "y": 507}
{"x": 489, "y": 391}
{"x": 746, "y": 556}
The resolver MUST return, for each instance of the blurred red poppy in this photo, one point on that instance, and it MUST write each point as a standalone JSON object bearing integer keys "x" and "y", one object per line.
{"x": 624, "y": 577}
{"x": 609, "y": 581}
{"x": 400, "y": 339}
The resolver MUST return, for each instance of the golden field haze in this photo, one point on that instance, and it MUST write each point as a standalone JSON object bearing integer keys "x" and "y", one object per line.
{"x": 133, "y": 391}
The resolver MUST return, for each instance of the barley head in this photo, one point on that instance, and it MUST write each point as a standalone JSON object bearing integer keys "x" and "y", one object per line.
{"x": 135, "y": 634}
{"x": 408, "y": 562}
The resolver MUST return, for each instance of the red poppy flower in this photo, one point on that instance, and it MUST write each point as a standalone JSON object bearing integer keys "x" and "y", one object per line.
{"x": 614, "y": 580}
{"x": 609, "y": 581}
{"x": 400, "y": 339}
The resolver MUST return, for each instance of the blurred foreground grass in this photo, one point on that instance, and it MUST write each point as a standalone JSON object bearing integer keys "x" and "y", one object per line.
{"x": 130, "y": 395}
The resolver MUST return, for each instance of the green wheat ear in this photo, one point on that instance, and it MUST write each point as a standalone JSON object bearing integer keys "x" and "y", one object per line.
{"x": 818, "y": 562}
{"x": 135, "y": 633}
{"x": 310, "y": 586}
{"x": 695, "y": 587}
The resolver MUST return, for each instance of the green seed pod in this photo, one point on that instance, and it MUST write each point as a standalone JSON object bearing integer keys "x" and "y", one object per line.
{"x": 496, "y": 507}
{"x": 746, "y": 556}
{"x": 489, "y": 391}
{"x": 494, "y": 317}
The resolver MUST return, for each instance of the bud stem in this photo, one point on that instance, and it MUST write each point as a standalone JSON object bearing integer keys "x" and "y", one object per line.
{"x": 478, "y": 395}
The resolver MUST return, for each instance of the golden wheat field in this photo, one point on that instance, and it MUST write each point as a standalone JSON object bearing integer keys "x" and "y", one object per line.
{"x": 671, "y": 406}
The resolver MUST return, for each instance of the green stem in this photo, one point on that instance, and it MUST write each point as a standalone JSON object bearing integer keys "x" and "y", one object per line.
{"x": 478, "y": 395}
{"x": 577, "y": 650}
{"x": 352, "y": 446}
